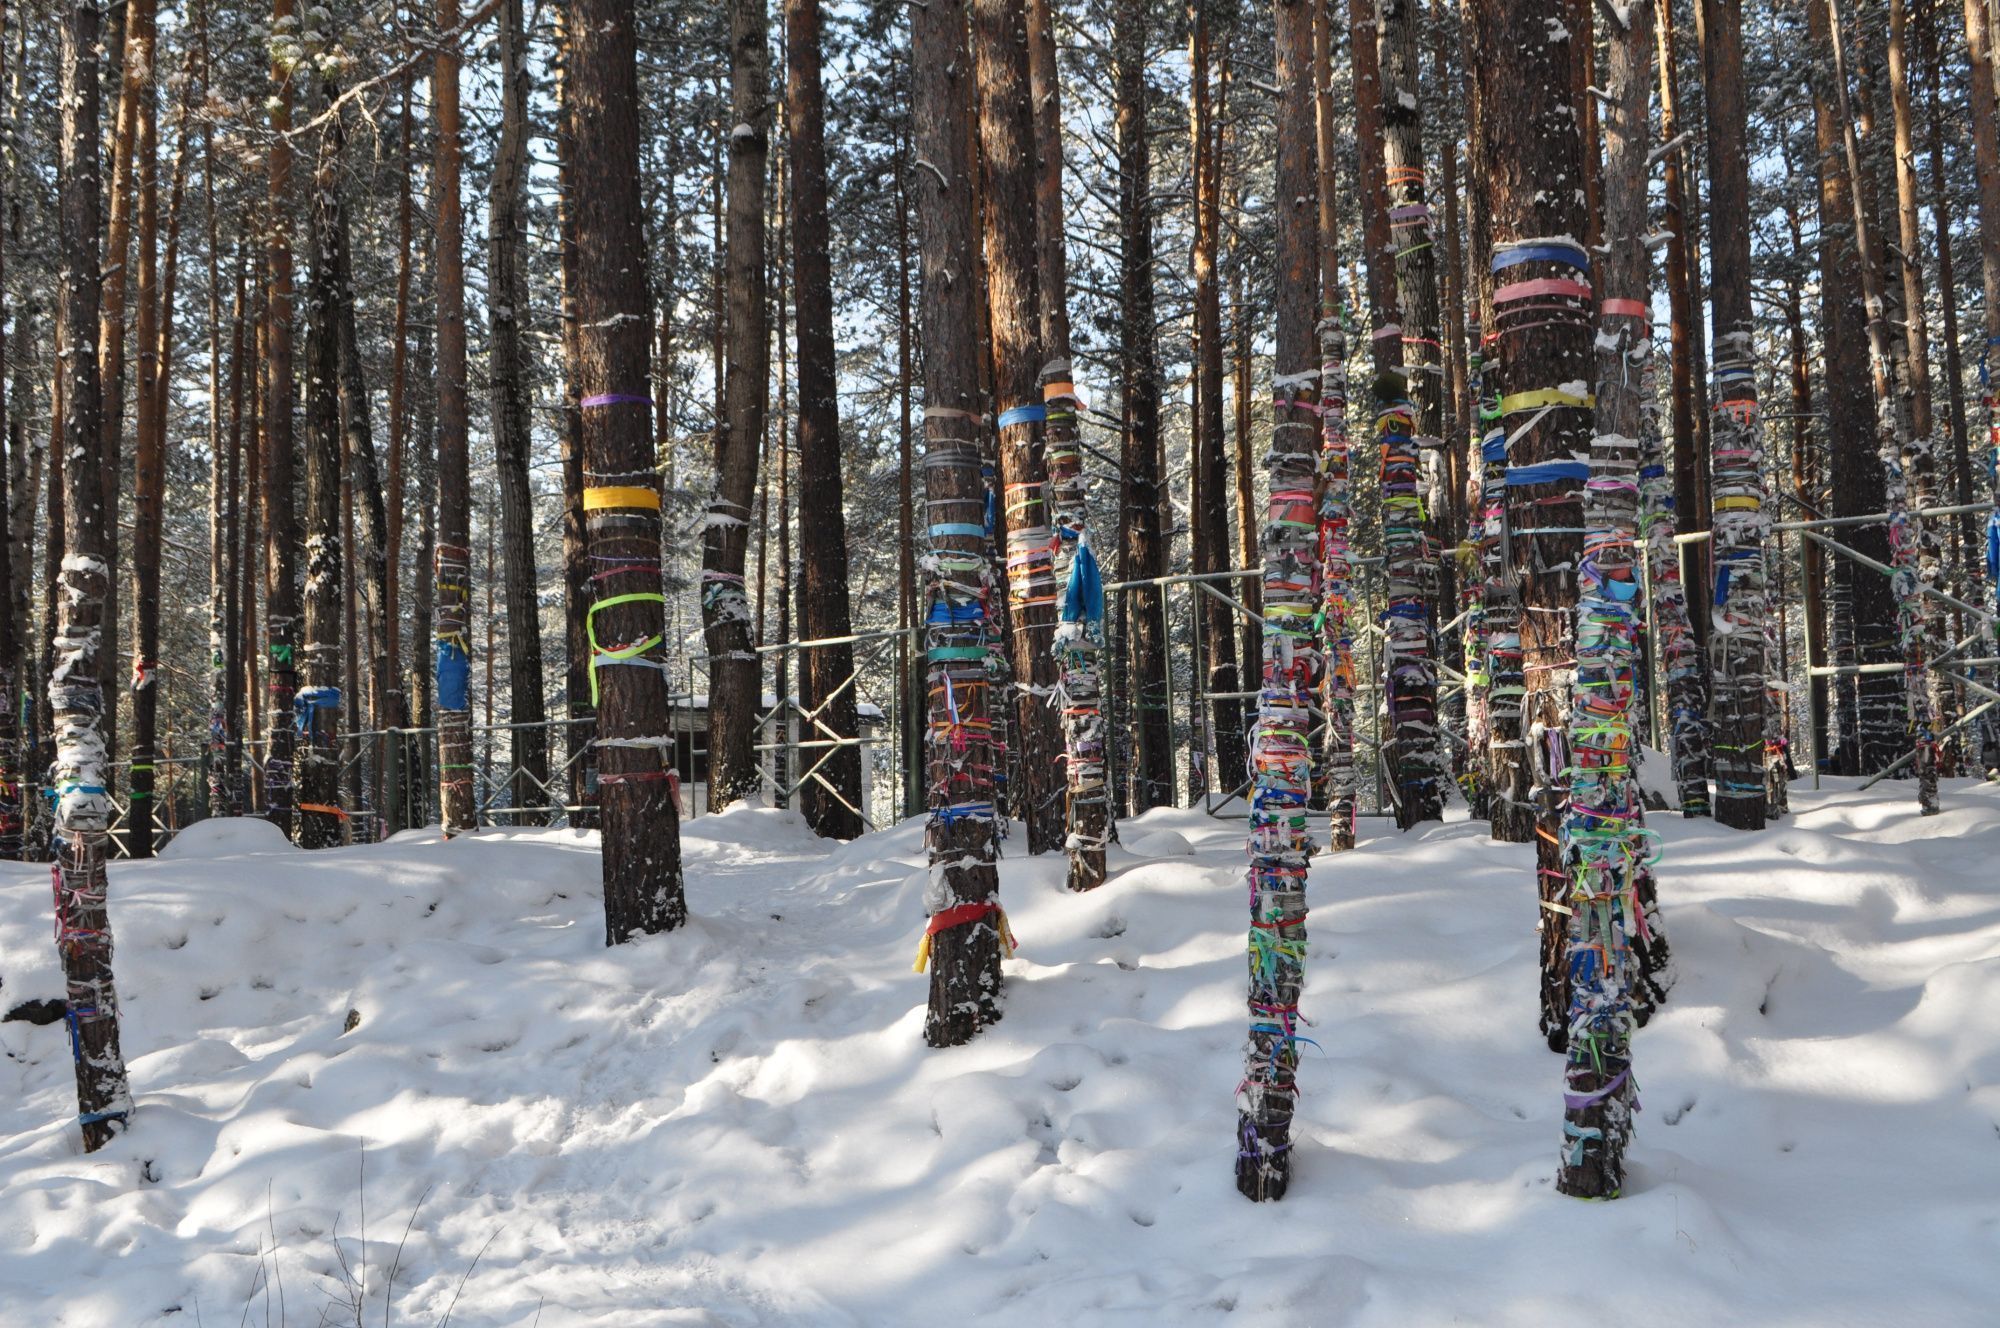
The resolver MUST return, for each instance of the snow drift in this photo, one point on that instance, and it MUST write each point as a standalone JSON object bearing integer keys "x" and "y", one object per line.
{"x": 419, "y": 1055}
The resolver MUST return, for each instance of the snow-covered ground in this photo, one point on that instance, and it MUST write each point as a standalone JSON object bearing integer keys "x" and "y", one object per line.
{"x": 738, "y": 1124}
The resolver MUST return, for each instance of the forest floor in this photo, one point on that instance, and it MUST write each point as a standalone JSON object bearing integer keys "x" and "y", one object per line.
{"x": 738, "y": 1124}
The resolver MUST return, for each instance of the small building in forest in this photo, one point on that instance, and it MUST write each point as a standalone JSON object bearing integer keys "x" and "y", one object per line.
{"x": 778, "y": 753}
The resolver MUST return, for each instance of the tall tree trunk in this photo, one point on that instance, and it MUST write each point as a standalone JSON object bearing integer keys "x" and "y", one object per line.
{"x": 1919, "y": 541}
{"x": 1690, "y": 457}
{"x": 318, "y": 703}
{"x": 13, "y": 564}
{"x": 1986, "y": 160}
{"x": 507, "y": 311}
{"x": 135, "y": 69}
{"x": 281, "y": 590}
{"x": 371, "y": 566}
{"x": 250, "y": 556}
{"x": 222, "y": 451}
{"x": 1212, "y": 552}
{"x": 1244, "y": 434}
{"x": 399, "y": 430}
{"x": 1916, "y": 562}
{"x": 833, "y": 807}
{"x": 1409, "y": 423}
{"x": 732, "y": 665}
{"x": 1338, "y": 776}
{"x": 453, "y": 554}
{"x": 226, "y": 792}
{"x": 56, "y": 544}
{"x": 1006, "y": 138}
{"x": 150, "y": 452}
{"x": 1280, "y": 845}
{"x": 963, "y": 938}
{"x": 1868, "y": 720}
{"x": 1742, "y": 604}
{"x": 1079, "y": 638}
{"x": 1603, "y": 831}
{"x": 1965, "y": 529}
{"x": 1145, "y": 550}
{"x": 582, "y": 758}
{"x": 76, "y": 683}
{"x": 638, "y": 789}
{"x": 1540, "y": 325}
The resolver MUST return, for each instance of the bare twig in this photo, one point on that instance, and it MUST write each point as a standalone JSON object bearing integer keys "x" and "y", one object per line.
{"x": 418, "y": 54}
{"x": 445, "y": 1322}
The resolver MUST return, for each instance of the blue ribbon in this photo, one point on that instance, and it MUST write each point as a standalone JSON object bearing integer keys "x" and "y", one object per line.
{"x": 1547, "y": 472}
{"x": 1557, "y": 251}
{"x": 1023, "y": 415}
{"x": 1083, "y": 596}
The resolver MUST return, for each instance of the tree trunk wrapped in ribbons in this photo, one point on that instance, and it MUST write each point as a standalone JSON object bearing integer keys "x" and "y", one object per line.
{"x": 1281, "y": 757}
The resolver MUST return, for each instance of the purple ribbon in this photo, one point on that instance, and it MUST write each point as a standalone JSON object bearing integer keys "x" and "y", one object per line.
{"x": 1579, "y": 1101}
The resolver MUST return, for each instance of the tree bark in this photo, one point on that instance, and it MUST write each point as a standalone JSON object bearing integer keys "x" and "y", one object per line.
{"x": 1540, "y": 321}
{"x": 1743, "y": 774}
{"x": 1280, "y": 844}
{"x": 1986, "y": 162}
{"x": 1338, "y": 776}
{"x": 733, "y": 671}
{"x": 1915, "y": 559}
{"x": 637, "y": 787}
{"x": 281, "y": 590}
{"x": 507, "y": 311}
{"x": 1212, "y": 551}
{"x": 1408, "y": 424}
{"x": 582, "y": 762}
{"x": 964, "y": 935}
{"x": 826, "y": 675}
{"x": 149, "y": 454}
{"x": 135, "y": 87}
{"x": 1144, "y": 544}
{"x": 318, "y": 703}
{"x": 1603, "y": 829}
{"x": 76, "y": 683}
{"x": 1006, "y": 137}
{"x": 1690, "y": 452}
{"x": 453, "y": 554}
{"x": 370, "y": 565}
{"x": 1079, "y": 638}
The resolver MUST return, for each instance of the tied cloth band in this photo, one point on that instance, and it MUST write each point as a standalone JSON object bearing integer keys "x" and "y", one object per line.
{"x": 1546, "y": 396}
{"x": 1013, "y": 415}
{"x": 599, "y": 497}
{"x": 624, "y": 654}
{"x": 1542, "y": 251}
{"x": 964, "y": 915}
{"x": 1626, "y": 309}
{"x": 614, "y": 399}
{"x": 1527, "y": 290}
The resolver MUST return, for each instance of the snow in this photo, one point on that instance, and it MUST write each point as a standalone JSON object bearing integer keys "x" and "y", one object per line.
{"x": 738, "y": 1124}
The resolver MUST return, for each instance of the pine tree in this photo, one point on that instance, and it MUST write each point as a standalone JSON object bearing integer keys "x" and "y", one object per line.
{"x": 1539, "y": 328}
{"x": 77, "y": 694}
{"x": 281, "y": 588}
{"x": 638, "y": 790}
{"x": 1281, "y": 845}
{"x": 1144, "y": 552}
{"x": 964, "y": 935}
{"x": 507, "y": 312}
{"x": 831, "y": 798}
{"x": 1603, "y": 849}
{"x": 318, "y": 703}
{"x": 452, "y": 555}
{"x": 733, "y": 693}
{"x": 1079, "y": 636}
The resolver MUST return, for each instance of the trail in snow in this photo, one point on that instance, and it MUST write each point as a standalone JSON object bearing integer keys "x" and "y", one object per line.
{"x": 737, "y": 1124}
